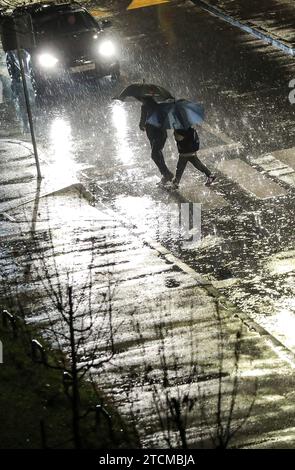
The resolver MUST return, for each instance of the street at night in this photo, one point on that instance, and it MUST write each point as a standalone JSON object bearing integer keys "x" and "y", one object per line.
{"x": 185, "y": 332}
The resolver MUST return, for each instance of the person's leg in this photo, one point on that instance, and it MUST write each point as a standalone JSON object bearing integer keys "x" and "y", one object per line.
{"x": 181, "y": 164}
{"x": 157, "y": 138}
{"x": 201, "y": 167}
{"x": 194, "y": 160}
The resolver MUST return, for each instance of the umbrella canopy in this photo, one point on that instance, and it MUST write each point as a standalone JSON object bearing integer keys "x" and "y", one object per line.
{"x": 144, "y": 90}
{"x": 180, "y": 114}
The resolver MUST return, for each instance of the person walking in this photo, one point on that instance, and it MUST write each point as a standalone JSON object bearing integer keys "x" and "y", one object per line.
{"x": 188, "y": 144}
{"x": 157, "y": 138}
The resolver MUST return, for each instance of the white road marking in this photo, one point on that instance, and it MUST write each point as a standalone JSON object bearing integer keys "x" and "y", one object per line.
{"x": 250, "y": 179}
{"x": 280, "y": 164}
{"x": 200, "y": 194}
{"x": 286, "y": 155}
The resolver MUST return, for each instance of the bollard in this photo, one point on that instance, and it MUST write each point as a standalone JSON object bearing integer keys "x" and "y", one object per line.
{"x": 67, "y": 381}
{"x": 100, "y": 410}
{"x": 38, "y": 353}
{"x": 43, "y": 434}
{"x": 9, "y": 319}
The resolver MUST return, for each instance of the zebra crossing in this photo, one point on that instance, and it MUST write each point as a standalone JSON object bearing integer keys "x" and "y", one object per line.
{"x": 259, "y": 177}
{"x": 255, "y": 178}
{"x": 250, "y": 179}
{"x": 279, "y": 164}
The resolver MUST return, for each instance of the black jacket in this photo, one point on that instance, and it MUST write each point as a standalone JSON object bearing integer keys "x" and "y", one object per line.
{"x": 147, "y": 108}
{"x": 190, "y": 142}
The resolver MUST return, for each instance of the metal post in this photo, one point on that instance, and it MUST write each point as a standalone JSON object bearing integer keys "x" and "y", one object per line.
{"x": 29, "y": 111}
{"x": 36, "y": 206}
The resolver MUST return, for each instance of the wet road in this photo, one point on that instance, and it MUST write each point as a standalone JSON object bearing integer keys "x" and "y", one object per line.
{"x": 247, "y": 244}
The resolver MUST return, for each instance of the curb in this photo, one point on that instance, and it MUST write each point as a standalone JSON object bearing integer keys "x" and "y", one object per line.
{"x": 276, "y": 345}
{"x": 247, "y": 27}
{"x": 79, "y": 187}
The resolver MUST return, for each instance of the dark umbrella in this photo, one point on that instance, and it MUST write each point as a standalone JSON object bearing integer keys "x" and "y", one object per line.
{"x": 180, "y": 114}
{"x": 144, "y": 90}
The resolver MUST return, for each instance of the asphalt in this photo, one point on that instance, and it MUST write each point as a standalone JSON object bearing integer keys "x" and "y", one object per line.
{"x": 274, "y": 19}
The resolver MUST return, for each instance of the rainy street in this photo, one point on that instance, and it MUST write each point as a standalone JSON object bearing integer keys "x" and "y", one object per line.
{"x": 247, "y": 245}
{"x": 241, "y": 242}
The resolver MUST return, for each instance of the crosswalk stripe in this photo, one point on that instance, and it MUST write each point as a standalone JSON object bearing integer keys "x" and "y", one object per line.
{"x": 200, "y": 194}
{"x": 280, "y": 164}
{"x": 286, "y": 155}
{"x": 250, "y": 179}
{"x": 145, "y": 3}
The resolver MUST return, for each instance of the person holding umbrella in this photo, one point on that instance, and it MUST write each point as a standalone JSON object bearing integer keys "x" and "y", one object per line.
{"x": 188, "y": 144}
{"x": 157, "y": 138}
{"x": 150, "y": 95}
{"x": 182, "y": 116}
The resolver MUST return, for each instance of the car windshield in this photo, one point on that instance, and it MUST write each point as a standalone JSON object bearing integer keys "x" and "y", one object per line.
{"x": 69, "y": 22}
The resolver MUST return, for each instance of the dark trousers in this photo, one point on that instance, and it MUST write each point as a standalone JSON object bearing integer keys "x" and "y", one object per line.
{"x": 157, "y": 138}
{"x": 193, "y": 159}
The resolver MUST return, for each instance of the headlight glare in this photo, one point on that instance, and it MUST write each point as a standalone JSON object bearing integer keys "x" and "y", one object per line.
{"x": 47, "y": 60}
{"x": 107, "y": 49}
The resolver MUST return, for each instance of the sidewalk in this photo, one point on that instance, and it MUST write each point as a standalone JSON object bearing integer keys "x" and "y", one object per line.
{"x": 162, "y": 312}
{"x": 18, "y": 182}
{"x": 270, "y": 19}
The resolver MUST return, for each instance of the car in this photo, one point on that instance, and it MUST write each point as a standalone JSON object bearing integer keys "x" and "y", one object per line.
{"x": 59, "y": 42}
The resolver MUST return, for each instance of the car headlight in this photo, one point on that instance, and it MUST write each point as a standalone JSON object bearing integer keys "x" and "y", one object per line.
{"x": 47, "y": 60}
{"x": 107, "y": 49}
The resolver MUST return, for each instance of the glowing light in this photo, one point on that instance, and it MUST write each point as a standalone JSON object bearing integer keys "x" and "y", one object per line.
{"x": 119, "y": 119}
{"x": 107, "y": 49}
{"x": 61, "y": 144}
{"x": 61, "y": 138}
{"x": 47, "y": 60}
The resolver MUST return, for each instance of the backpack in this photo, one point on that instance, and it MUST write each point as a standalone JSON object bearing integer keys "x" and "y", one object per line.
{"x": 190, "y": 142}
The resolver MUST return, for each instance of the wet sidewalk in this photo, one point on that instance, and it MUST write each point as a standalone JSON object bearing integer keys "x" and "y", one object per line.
{"x": 18, "y": 181}
{"x": 273, "y": 18}
{"x": 175, "y": 337}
